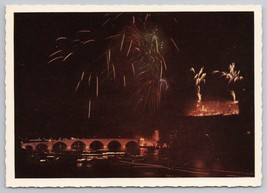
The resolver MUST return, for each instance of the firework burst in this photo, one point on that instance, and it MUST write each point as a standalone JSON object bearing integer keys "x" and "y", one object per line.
{"x": 136, "y": 54}
{"x": 199, "y": 79}
{"x": 71, "y": 49}
{"x": 133, "y": 58}
{"x": 232, "y": 77}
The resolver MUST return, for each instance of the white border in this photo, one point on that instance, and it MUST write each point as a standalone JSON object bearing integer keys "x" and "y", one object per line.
{"x": 133, "y": 182}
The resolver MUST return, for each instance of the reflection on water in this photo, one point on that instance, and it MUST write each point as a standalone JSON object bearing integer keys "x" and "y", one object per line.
{"x": 149, "y": 152}
{"x": 149, "y": 162}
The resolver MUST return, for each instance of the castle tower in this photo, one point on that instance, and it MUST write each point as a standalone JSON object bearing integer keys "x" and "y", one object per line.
{"x": 156, "y": 136}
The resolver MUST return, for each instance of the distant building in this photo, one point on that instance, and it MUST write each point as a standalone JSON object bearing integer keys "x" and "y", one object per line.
{"x": 150, "y": 142}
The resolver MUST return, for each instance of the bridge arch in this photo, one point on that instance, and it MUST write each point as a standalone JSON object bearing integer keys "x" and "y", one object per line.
{"x": 59, "y": 146}
{"x": 78, "y": 146}
{"x": 42, "y": 147}
{"x": 95, "y": 145}
{"x": 114, "y": 145}
{"x": 132, "y": 147}
{"x": 28, "y": 148}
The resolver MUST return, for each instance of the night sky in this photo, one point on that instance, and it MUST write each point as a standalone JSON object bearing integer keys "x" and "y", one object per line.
{"x": 46, "y": 103}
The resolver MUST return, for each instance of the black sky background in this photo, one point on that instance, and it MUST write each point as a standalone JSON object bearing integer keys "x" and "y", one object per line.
{"x": 45, "y": 102}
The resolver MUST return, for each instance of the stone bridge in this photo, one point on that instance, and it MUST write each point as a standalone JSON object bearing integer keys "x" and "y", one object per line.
{"x": 88, "y": 144}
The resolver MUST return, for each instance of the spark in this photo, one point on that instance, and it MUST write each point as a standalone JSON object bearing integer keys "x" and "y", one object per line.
{"x": 133, "y": 69}
{"x": 192, "y": 70}
{"x": 137, "y": 49}
{"x": 172, "y": 40}
{"x": 106, "y": 21}
{"x": 164, "y": 83}
{"x": 56, "y": 52}
{"x": 89, "y": 109}
{"x": 122, "y": 41}
{"x": 113, "y": 70}
{"x": 82, "y": 76}
{"x": 96, "y": 86}
{"x": 108, "y": 59}
{"x": 175, "y": 20}
{"x": 157, "y": 45}
{"x": 199, "y": 78}
{"x": 88, "y": 41}
{"x": 61, "y": 38}
{"x": 52, "y": 60}
{"x": 164, "y": 62}
{"x": 199, "y": 96}
{"x": 160, "y": 71}
{"x": 76, "y": 40}
{"x": 106, "y": 15}
{"x": 118, "y": 15}
{"x": 113, "y": 36}
{"x": 76, "y": 89}
{"x": 147, "y": 15}
{"x": 84, "y": 31}
{"x": 233, "y": 96}
{"x": 124, "y": 81}
{"x": 67, "y": 56}
{"x": 129, "y": 47}
{"x": 89, "y": 79}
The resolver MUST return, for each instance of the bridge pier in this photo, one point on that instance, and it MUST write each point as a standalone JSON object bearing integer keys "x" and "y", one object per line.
{"x": 87, "y": 148}
{"x": 50, "y": 147}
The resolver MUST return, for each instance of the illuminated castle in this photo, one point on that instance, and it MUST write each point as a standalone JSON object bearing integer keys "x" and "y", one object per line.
{"x": 210, "y": 108}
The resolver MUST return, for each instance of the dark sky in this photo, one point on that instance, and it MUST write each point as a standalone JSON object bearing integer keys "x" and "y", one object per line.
{"x": 45, "y": 101}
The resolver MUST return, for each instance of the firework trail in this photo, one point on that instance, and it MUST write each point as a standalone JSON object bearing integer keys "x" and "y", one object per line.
{"x": 232, "y": 76}
{"x": 233, "y": 96}
{"x": 89, "y": 109}
{"x": 199, "y": 78}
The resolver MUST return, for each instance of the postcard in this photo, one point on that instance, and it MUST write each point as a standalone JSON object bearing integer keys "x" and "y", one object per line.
{"x": 133, "y": 95}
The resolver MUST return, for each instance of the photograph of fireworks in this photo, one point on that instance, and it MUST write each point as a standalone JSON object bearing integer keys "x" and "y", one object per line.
{"x": 134, "y": 94}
